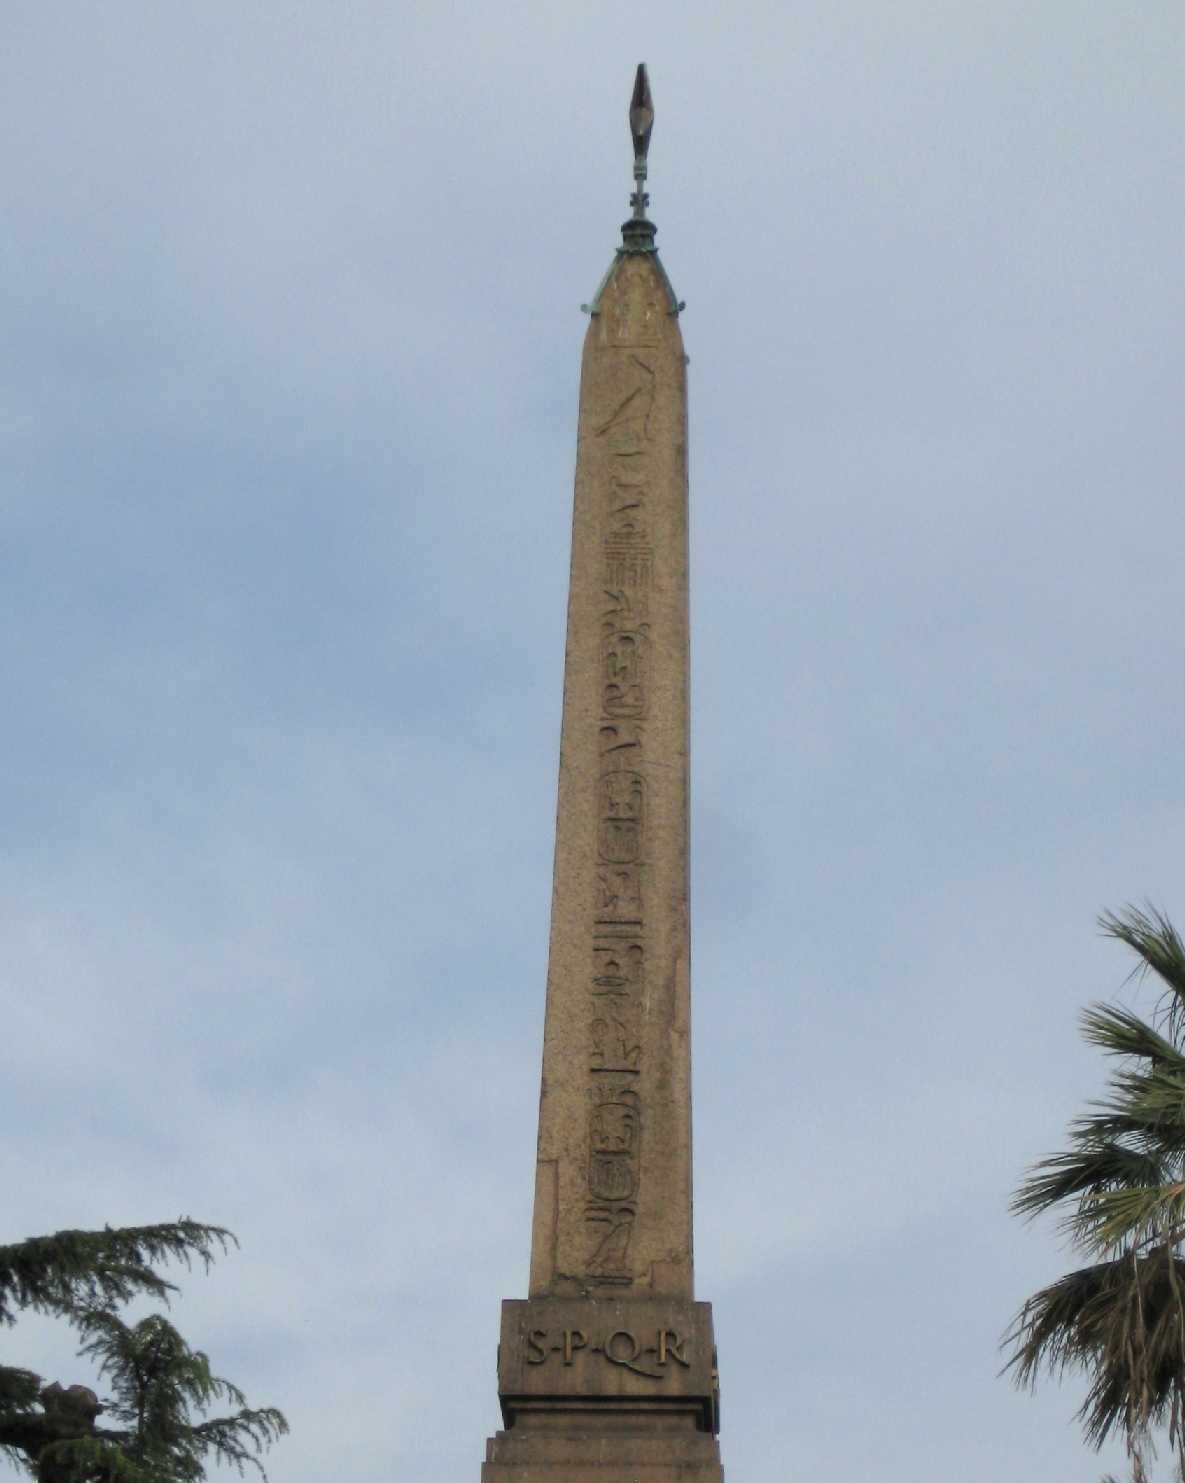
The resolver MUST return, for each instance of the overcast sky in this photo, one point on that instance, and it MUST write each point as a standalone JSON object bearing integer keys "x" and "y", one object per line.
{"x": 288, "y": 402}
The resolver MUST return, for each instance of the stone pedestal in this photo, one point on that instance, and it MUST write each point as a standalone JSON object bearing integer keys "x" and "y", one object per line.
{"x": 601, "y": 1457}
{"x": 606, "y": 1390}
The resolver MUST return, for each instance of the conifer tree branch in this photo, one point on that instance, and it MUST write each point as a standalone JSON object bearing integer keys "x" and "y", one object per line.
{"x": 53, "y": 1274}
{"x": 161, "y": 1389}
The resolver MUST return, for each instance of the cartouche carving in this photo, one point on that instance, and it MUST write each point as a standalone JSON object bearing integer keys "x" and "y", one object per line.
{"x": 614, "y": 1125}
{"x": 624, "y": 660}
{"x": 620, "y": 837}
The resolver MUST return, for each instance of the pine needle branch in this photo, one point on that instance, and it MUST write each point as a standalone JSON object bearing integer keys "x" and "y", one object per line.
{"x": 55, "y": 1274}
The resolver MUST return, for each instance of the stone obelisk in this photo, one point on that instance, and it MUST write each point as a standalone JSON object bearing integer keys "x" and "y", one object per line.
{"x": 606, "y": 1372}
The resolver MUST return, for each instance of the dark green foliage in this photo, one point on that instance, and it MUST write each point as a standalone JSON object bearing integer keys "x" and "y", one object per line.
{"x": 1120, "y": 1321}
{"x": 155, "y": 1427}
{"x": 18, "y": 1388}
{"x": 55, "y": 1274}
{"x": 158, "y": 1384}
{"x": 1120, "y": 1188}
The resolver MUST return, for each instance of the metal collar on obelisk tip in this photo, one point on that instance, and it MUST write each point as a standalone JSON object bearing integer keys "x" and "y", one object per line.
{"x": 637, "y": 234}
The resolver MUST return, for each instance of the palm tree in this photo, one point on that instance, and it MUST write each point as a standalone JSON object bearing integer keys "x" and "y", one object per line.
{"x": 1120, "y": 1319}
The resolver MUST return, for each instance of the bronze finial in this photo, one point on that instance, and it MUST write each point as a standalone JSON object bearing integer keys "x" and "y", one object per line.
{"x": 641, "y": 113}
{"x": 638, "y": 232}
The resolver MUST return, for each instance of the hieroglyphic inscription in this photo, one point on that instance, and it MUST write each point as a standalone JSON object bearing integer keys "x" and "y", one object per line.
{"x": 620, "y": 838}
{"x": 614, "y": 1128}
{"x": 619, "y": 894}
{"x": 626, "y": 430}
{"x": 618, "y": 964}
{"x": 616, "y": 1026}
{"x": 625, "y": 665}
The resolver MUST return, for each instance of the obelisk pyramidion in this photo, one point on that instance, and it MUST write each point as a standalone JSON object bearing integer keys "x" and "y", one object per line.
{"x": 606, "y": 1372}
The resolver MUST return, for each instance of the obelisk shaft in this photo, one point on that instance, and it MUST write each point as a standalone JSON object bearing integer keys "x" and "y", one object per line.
{"x": 613, "y": 1189}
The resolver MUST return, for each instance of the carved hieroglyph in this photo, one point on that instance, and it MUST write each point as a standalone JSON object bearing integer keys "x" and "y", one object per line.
{"x": 613, "y": 1193}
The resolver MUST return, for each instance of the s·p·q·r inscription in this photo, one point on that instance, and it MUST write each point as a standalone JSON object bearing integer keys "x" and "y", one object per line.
{"x": 621, "y": 1347}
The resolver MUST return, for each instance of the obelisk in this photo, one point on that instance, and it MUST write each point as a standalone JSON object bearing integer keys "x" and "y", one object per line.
{"x": 606, "y": 1372}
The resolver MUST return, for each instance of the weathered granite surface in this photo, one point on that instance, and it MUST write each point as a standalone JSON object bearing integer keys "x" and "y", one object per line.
{"x": 613, "y": 1185}
{"x": 607, "y": 1371}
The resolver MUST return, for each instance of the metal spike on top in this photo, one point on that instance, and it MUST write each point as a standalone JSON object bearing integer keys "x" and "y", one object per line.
{"x": 638, "y": 233}
{"x": 641, "y": 120}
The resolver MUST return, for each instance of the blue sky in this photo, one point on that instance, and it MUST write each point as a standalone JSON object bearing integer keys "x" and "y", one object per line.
{"x": 287, "y": 423}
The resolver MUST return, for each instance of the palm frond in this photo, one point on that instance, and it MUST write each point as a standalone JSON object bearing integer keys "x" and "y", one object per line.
{"x": 1159, "y": 1098}
{"x": 1122, "y": 1323}
{"x": 1142, "y": 1129}
{"x": 1120, "y": 1189}
{"x": 1082, "y": 1174}
{"x": 1133, "y": 1217}
{"x": 1155, "y": 941}
{"x": 1119, "y": 1032}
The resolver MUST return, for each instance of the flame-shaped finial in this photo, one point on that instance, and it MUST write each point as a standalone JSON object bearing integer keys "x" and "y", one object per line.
{"x": 638, "y": 233}
{"x": 641, "y": 113}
